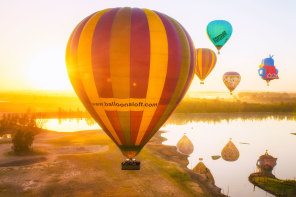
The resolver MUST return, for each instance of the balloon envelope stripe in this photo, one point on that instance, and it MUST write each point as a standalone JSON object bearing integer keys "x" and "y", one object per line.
{"x": 120, "y": 54}
{"x": 206, "y": 60}
{"x": 158, "y": 68}
{"x": 139, "y": 65}
{"x": 100, "y": 66}
{"x": 113, "y": 118}
{"x": 186, "y": 62}
{"x": 199, "y": 64}
{"x": 136, "y": 117}
{"x": 204, "y": 63}
{"x": 140, "y": 54}
{"x": 71, "y": 57}
{"x": 100, "y": 54}
{"x": 191, "y": 67}
{"x": 120, "y": 65}
{"x": 173, "y": 71}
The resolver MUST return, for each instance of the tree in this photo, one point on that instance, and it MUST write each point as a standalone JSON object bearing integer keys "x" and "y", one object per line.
{"x": 23, "y": 140}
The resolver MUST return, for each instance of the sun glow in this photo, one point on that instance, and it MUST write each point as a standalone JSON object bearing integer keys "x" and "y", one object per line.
{"x": 48, "y": 71}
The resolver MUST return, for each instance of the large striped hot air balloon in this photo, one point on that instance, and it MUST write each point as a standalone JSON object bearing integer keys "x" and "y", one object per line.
{"x": 206, "y": 61}
{"x": 130, "y": 67}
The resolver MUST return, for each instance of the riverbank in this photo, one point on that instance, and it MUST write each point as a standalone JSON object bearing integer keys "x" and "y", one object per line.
{"x": 87, "y": 163}
{"x": 272, "y": 185}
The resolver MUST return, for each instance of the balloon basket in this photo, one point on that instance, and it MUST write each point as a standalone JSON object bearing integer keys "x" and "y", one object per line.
{"x": 202, "y": 82}
{"x": 130, "y": 164}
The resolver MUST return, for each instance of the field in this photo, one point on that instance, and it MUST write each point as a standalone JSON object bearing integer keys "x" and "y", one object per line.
{"x": 66, "y": 104}
{"x": 87, "y": 163}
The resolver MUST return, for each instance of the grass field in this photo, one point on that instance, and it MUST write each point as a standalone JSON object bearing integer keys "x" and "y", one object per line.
{"x": 87, "y": 163}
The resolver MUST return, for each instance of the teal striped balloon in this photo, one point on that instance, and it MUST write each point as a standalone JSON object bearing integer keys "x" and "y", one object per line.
{"x": 219, "y": 31}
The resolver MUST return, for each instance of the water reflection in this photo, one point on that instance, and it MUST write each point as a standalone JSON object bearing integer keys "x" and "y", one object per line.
{"x": 230, "y": 152}
{"x": 182, "y": 118}
{"x": 250, "y": 136}
{"x": 202, "y": 169}
{"x": 185, "y": 146}
{"x": 267, "y": 181}
{"x": 70, "y": 124}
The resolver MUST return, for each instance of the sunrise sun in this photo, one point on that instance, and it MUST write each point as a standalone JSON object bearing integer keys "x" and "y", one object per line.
{"x": 48, "y": 70}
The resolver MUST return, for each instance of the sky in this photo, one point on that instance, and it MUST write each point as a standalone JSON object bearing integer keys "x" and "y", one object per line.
{"x": 34, "y": 35}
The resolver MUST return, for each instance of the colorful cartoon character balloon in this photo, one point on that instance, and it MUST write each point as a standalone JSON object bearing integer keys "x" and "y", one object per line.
{"x": 130, "y": 67}
{"x": 267, "y": 70}
{"x": 206, "y": 61}
{"x": 231, "y": 80}
{"x": 219, "y": 32}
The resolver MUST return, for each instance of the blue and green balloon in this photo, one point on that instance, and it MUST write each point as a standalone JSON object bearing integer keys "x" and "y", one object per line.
{"x": 219, "y": 31}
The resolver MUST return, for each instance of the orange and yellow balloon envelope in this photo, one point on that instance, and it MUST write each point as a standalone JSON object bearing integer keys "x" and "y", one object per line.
{"x": 130, "y": 67}
{"x": 205, "y": 62}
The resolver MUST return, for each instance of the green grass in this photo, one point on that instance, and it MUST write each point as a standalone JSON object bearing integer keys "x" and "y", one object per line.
{"x": 280, "y": 187}
{"x": 169, "y": 170}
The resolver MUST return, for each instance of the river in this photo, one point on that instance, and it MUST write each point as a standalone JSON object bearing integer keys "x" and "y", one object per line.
{"x": 209, "y": 133}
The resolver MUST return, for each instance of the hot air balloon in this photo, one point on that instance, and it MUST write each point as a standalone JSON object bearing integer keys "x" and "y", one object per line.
{"x": 130, "y": 68}
{"x": 219, "y": 31}
{"x": 201, "y": 168}
{"x": 267, "y": 70}
{"x": 230, "y": 152}
{"x": 231, "y": 80}
{"x": 185, "y": 146}
{"x": 206, "y": 61}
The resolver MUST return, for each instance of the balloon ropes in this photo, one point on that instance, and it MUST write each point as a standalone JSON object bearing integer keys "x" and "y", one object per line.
{"x": 219, "y": 32}
{"x": 206, "y": 61}
{"x": 130, "y": 67}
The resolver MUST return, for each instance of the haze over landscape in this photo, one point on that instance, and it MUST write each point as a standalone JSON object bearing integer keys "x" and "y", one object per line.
{"x": 54, "y": 142}
{"x": 35, "y": 35}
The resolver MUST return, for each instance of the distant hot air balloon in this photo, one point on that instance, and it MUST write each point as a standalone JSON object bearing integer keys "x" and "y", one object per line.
{"x": 130, "y": 67}
{"x": 185, "y": 146}
{"x": 231, "y": 80}
{"x": 267, "y": 70}
{"x": 230, "y": 152}
{"x": 206, "y": 61}
{"x": 219, "y": 31}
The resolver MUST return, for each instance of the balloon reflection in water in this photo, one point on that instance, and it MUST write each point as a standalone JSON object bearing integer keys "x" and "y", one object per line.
{"x": 185, "y": 146}
{"x": 201, "y": 168}
{"x": 230, "y": 152}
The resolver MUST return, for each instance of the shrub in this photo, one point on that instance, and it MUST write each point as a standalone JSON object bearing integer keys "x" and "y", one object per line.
{"x": 23, "y": 140}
